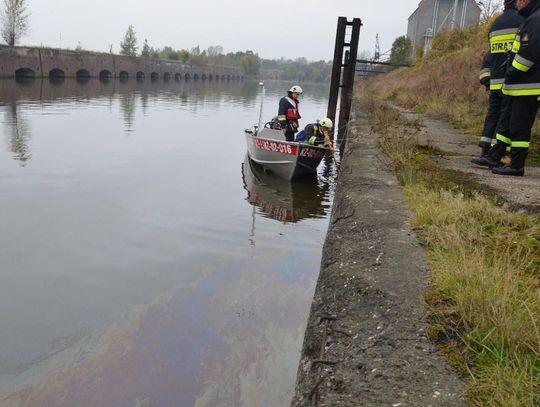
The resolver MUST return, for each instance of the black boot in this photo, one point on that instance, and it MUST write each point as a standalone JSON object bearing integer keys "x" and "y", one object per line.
{"x": 517, "y": 166}
{"x": 493, "y": 158}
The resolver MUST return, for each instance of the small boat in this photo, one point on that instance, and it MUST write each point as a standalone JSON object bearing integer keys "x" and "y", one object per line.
{"x": 288, "y": 160}
{"x": 266, "y": 145}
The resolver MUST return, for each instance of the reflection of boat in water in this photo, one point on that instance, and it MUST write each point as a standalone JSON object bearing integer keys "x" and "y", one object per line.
{"x": 280, "y": 199}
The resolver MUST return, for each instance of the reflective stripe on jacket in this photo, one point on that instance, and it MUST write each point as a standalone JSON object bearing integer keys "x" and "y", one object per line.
{"x": 502, "y": 35}
{"x": 288, "y": 111}
{"x": 523, "y": 76}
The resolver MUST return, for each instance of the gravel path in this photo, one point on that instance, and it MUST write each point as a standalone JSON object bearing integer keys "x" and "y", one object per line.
{"x": 519, "y": 191}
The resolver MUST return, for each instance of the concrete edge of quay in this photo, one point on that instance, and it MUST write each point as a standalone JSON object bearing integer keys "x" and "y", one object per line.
{"x": 365, "y": 342}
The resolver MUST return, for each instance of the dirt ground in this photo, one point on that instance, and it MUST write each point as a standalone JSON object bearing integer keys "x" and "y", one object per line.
{"x": 520, "y": 192}
{"x": 366, "y": 343}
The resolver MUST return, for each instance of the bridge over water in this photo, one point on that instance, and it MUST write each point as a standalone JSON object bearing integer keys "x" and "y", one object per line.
{"x": 25, "y": 62}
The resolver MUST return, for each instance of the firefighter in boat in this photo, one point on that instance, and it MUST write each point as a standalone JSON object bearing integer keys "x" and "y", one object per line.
{"x": 317, "y": 134}
{"x": 288, "y": 114}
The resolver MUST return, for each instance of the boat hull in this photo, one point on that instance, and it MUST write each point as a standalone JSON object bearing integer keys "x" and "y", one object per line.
{"x": 288, "y": 160}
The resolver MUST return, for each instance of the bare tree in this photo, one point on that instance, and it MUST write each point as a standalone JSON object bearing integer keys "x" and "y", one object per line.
{"x": 489, "y": 7}
{"x": 14, "y": 21}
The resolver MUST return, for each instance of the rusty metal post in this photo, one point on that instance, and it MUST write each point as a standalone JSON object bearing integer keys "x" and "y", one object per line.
{"x": 335, "y": 81}
{"x": 348, "y": 79}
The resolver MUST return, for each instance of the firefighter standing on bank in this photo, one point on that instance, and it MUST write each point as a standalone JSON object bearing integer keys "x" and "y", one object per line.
{"x": 288, "y": 114}
{"x": 501, "y": 38}
{"x": 522, "y": 88}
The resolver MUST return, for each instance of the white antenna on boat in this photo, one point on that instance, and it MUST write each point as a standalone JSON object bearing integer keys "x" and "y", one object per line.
{"x": 261, "y": 84}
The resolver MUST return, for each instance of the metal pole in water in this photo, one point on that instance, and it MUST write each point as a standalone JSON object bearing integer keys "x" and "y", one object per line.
{"x": 261, "y": 84}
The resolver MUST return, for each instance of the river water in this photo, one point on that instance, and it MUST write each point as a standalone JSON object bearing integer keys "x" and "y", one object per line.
{"x": 143, "y": 262}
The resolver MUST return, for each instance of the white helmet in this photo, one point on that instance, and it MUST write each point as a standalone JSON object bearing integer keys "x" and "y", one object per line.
{"x": 326, "y": 122}
{"x": 296, "y": 89}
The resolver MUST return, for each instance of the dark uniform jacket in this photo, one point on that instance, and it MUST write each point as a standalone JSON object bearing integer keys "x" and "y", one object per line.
{"x": 288, "y": 114}
{"x": 314, "y": 134}
{"x": 501, "y": 38}
{"x": 523, "y": 76}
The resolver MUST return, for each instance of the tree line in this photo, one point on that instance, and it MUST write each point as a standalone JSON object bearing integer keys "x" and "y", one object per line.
{"x": 14, "y": 25}
{"x": 299, "y": 69}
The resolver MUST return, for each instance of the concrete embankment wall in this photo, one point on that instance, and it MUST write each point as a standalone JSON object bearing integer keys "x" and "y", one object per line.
{"x": 46, "y": 62}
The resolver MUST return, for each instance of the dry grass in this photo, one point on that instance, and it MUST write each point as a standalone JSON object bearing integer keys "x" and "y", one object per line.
{"x": 485, "y": 299}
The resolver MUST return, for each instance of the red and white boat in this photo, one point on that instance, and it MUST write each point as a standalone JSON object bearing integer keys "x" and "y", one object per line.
{"x": 288, "y": 160}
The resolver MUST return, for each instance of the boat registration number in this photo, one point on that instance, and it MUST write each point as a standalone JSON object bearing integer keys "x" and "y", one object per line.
{"x": 275, "y": 146}
{"x": 312, "y": 153}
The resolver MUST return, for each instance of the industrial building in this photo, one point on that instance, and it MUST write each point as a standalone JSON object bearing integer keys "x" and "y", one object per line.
{"x": 432, "y": 16}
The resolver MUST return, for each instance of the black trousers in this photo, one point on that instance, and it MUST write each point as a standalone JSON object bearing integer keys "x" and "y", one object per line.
{"x": 291, "y": 129}
{"x": 514, "y": 128}
{"x": 289, "y": 135}
{"x": 497, "y": 102}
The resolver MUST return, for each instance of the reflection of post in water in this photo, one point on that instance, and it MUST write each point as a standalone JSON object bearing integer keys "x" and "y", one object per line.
{"x": 19, "y": 134}
{"x": 127, "y": 105}
{"x": 252, "y": 234}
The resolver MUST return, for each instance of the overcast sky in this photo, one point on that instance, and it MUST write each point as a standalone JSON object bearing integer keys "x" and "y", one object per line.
{"x": 301, "y": 28}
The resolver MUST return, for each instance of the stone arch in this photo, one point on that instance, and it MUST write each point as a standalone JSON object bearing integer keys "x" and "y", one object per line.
{"x": 124, "y": 75}
{"x": 187, "y": 76}
{"x": 210, "y": 77}
{"x": 57, "y": 73}
{"x": 105, "y": 75}
{"x": 166, "y": 76}
{"x": 82, "y": 74}
{"x": 25, "y": 73}
{"x": 228, "y": 77}
{"x": 195, "y": 76}
{"x": 223, "y": 77}
{"x": 177, "y": 77}
{"x": 217, "y": 77}
{"x": 242, "y": 78}
{"x": 203, "y": 77}
{"x": 140, "y": 76}
{"x": 154, "y": 76}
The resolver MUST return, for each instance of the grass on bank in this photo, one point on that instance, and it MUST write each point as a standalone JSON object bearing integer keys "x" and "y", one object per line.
{"x": 444, "y": 84}
{"x": 485, "y": 297}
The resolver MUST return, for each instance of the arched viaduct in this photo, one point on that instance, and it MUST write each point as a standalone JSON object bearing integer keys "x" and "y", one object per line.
{"x": 22, "y": 62}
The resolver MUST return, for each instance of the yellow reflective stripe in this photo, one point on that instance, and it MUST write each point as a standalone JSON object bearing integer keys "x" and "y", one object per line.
{"x": 524, "y": 61}
{"x": 521, "y": 92}
{"x": 485, "y": 75}
{"x": 501, "y": 43}
{"x": 516, "y": 46}
{"x": 282, "y": 117}
{"x": 519, "y": 66}
{"x": 496, "y": 84}
{"x": 505, "y": 140}
{"x": 521, "y": 144}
